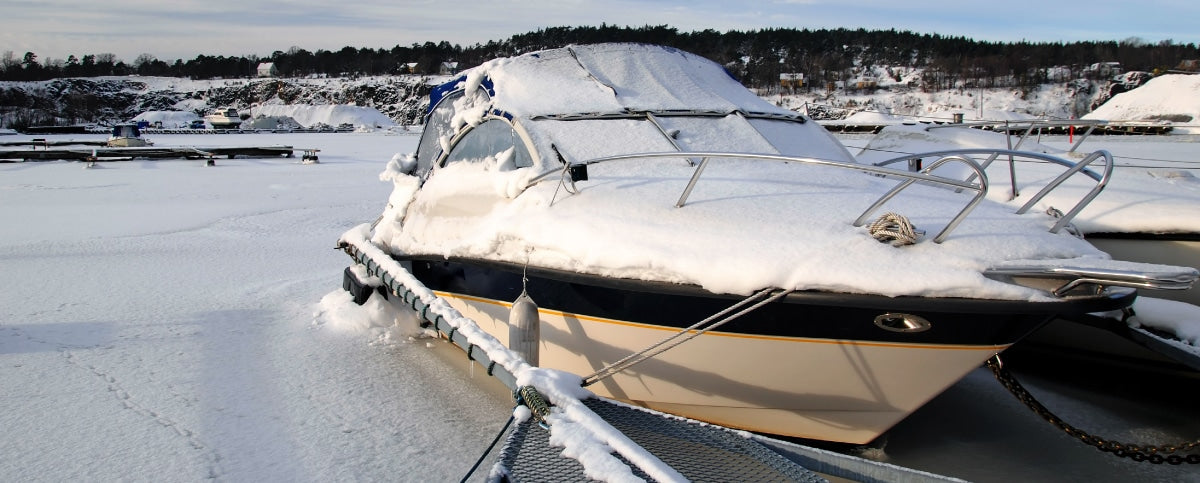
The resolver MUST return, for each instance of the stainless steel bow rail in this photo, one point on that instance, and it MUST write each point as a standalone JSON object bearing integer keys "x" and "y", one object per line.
{"x": 1087, "y": 127}
{"x": 571, "y": 173}
{"x": 1072, "y": 168}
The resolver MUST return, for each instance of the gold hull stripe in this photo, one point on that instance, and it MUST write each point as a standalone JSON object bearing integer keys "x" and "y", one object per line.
{"x": 508, "y": 305}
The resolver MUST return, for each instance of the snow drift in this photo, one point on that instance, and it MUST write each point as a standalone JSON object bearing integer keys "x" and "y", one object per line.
{"x": 332, "y": 115}
{"x": 1171, "y": 98}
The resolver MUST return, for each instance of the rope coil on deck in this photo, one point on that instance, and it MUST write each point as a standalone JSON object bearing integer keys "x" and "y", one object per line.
{"x": 894, "y": 229}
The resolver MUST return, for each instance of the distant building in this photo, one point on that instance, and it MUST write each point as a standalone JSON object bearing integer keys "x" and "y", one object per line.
{"x": 866, "y": 82}
{"x": 791, "y": 80}
{"x": 267, "y": 69}
{"x": 448, "y": 68}
{"x": 1103, "y": 70}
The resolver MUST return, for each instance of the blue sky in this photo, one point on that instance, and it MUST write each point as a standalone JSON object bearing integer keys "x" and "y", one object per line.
{"x": 54, "y": 29}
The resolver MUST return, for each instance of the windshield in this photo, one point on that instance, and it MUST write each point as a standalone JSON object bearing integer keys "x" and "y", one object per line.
{"x": 580, "y": 139}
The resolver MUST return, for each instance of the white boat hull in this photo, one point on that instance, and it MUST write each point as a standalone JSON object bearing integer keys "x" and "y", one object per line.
{"x": 127, "y": 143}
{"x": 224, "y": 119}
{"x": 846, "y": 391}
{"x": 222, "y": 123}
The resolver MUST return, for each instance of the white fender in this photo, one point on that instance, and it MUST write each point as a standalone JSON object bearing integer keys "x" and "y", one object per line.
{"x": 524, "y": 331}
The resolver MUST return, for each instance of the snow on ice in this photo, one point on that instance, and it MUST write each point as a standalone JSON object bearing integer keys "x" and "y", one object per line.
{"x": 169, "y": 321}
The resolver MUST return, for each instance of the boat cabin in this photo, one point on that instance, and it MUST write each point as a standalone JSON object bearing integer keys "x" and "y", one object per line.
{"x": 126, "y": 131}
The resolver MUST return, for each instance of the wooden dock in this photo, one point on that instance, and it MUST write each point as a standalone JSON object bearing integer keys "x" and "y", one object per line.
{"x": 1018, "y": 127}
{"x": 84, "y": 153}
{"x": 54, "y": 130}
{"x": 46, "y": 143}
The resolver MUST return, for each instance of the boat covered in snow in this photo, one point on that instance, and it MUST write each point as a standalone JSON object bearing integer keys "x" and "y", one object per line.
{"x": 694, "y": 249}
{"x": 227, "y": 118}
{"x": 126, "y": 136}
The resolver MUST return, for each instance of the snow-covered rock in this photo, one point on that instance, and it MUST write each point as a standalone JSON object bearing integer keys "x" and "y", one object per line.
{"x": 378, "y": 101}
{"x": 1173, "y": 98}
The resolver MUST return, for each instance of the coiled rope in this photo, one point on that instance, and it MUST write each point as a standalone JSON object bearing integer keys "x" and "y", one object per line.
{"x": 894, "y": 229}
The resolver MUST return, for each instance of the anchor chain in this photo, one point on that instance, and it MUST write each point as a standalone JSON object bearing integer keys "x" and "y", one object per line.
{"x": 1149, "y": 453}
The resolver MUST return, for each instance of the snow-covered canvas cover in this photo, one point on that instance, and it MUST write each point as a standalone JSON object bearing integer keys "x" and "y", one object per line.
{"x": 609, "y": 78}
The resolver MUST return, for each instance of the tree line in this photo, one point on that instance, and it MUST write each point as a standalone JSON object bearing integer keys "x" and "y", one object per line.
{"x": 755, "y": 57}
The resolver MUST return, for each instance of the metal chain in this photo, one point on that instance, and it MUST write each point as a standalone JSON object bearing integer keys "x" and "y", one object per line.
{"x": 1150, "y": 453}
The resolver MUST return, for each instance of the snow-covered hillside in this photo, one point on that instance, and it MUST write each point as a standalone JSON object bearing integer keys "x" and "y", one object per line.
{"x": 1055, "y": 101}
{"x": 108, "y": 100}
{"x": 382, "y": 101}
{"x": 1167, "y": 99}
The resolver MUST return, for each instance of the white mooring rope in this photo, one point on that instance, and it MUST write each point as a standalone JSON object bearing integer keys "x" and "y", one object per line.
{"x": 894, "y": 229}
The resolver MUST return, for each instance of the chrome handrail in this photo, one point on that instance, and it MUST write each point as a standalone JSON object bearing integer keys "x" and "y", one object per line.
{"x": 909, "y": 177}
{"x": 1101, "y": 178}
{"x": 1087, "y": 199}
{"x": 1156, "y": 277}
{"x": 979, "y": 195}
{"x": 1090, "y": 124}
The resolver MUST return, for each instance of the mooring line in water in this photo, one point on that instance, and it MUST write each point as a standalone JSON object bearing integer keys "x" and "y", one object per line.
{"x": 489, "y": 448}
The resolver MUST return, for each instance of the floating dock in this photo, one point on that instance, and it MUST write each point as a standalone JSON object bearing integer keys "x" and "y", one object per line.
{"x": 84, "y": 153}
{"x": 46, "y": 143}
{"x": 694, "y": 450}
{"x": 38, "y": 130}
{"x": 1063, "y": 128}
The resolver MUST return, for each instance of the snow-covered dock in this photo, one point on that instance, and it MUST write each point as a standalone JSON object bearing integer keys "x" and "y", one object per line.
{"x": 299, "y": 130}
{"x": 1063, "y": 128}
{"x": 148, "y": 152}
